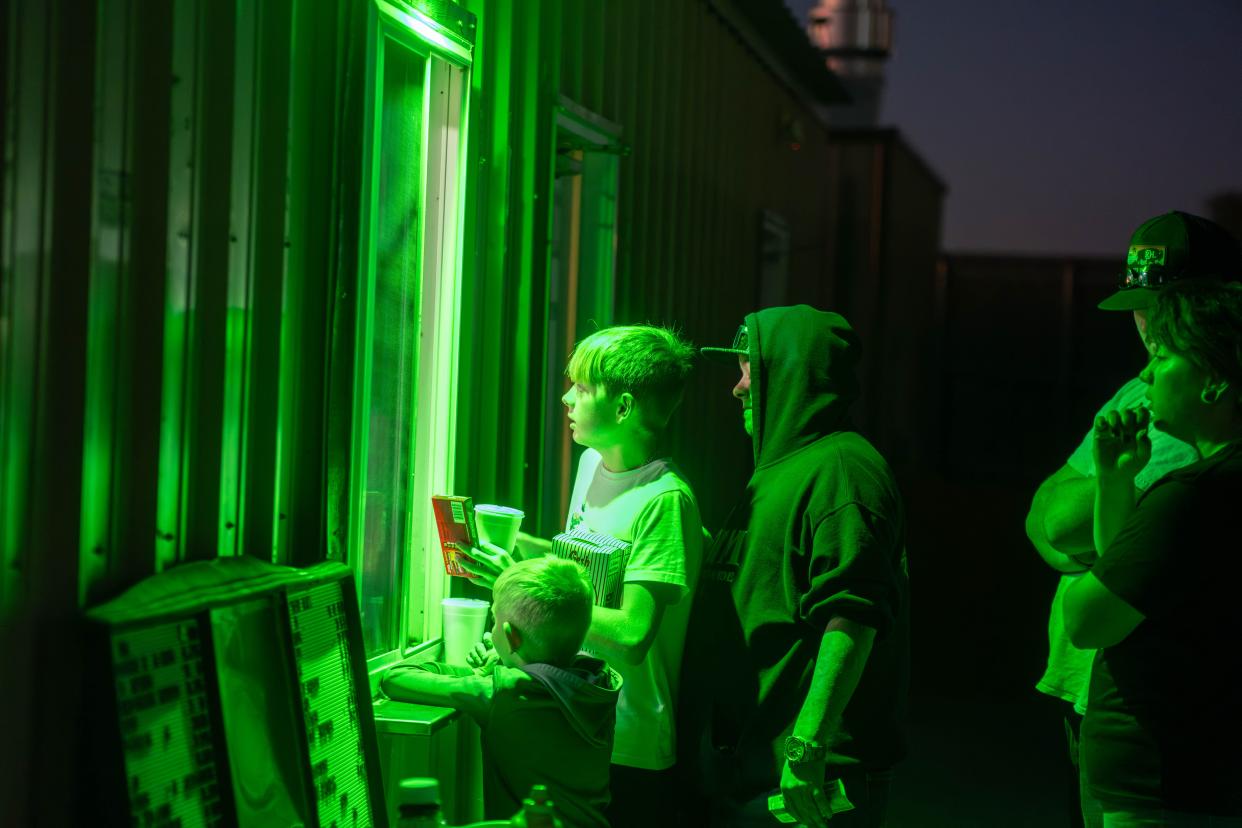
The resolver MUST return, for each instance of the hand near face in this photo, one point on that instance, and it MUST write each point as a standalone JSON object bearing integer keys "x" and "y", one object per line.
{"x": 483, "y": 656}
{"x": 1120, "y": 444}
{"x": 485, "y": 562}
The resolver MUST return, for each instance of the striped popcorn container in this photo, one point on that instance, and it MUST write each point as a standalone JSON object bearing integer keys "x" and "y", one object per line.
{"x": 604, "y": 558}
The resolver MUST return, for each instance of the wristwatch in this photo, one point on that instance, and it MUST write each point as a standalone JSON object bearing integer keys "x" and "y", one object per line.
{"x": 799, "y": 751}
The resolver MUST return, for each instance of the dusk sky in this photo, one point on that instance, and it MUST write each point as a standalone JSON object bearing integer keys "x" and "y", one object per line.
{"x": 1059, "y": 126}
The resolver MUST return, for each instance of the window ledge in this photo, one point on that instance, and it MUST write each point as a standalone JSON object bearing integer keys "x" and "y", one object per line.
{"x": 407, "y": 719}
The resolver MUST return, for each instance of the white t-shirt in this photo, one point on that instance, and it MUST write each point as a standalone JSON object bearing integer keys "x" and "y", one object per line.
{"x": 1068, "y": 675}
{"x": 653, "y": 509}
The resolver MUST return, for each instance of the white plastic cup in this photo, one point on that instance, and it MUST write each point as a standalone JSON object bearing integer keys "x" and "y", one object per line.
{"x": 498, "y": 525}
{"x": 464, "y": 622}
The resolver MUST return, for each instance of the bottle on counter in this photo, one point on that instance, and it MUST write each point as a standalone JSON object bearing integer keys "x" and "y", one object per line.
{"x": 538, "y": 811}
{"x": 418, "y": 803}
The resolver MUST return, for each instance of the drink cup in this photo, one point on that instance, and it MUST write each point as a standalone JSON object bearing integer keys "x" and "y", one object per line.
{"x": 498, "y": 524}
{"x": 464, "y": 622}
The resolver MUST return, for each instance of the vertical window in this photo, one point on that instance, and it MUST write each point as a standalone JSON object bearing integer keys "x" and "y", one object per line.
{"x": 582, "y": 264}
{"x": 408, "y": 300}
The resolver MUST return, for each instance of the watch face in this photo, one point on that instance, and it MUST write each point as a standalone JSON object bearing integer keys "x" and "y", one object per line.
{"x": 795, "y": 749}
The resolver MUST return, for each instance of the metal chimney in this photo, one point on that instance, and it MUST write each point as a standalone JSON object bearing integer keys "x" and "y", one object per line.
{"x": 855, "y": 37}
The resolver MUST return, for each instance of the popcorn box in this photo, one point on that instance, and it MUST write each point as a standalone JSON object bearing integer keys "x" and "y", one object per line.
{"x": 604, "y": 558}
{"x": 455, "y": 524}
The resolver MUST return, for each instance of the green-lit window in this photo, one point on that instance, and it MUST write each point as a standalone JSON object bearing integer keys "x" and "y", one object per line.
{"x": 582, "y": 263}
{"x": 408, "y": 300}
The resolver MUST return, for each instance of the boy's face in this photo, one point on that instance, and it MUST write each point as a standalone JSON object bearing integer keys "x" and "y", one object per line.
{"x": 592, "y": 415}
{"x": 1174, "y": 393}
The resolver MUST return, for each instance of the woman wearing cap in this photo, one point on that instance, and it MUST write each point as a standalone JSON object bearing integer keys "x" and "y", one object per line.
{"x": 1161, "y": 738}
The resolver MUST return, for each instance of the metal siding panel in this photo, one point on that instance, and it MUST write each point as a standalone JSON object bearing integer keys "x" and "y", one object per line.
{"x": 209, "y": 452}
{"x": 30, "y": 60}
{"x": 121, "y": 446}
{"x": 258, "y": 518}
{"x": 302, "y": 397}
{"x": 44, "y": 318}
{"x": 568, "y": 24}
{"x": 592, "y": 57}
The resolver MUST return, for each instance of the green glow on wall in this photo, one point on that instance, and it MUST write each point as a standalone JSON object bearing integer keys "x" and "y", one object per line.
{"x": 233, "y": 420}
{"x": 168, "y": 513}
{"x": 98, "y": 425}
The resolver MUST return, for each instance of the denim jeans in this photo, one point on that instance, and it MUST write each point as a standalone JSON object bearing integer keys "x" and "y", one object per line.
{"x": 1090, "y": 808}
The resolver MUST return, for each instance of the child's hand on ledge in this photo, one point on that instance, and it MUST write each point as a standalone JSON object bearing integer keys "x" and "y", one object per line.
{"x": 483, "y": 657}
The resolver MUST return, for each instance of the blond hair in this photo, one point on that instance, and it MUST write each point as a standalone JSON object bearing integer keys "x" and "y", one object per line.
{"x": 650, "y": 362}
{"x": 549, "y": 601}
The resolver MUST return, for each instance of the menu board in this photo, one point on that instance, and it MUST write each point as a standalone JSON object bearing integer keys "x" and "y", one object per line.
{"x": 319, "y": 625}
{"x": 171, "y": 767}
{"x": 231, "y": 693}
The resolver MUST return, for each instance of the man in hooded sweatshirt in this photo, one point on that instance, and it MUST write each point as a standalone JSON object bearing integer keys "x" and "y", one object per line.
{"x": 797, "y": 656}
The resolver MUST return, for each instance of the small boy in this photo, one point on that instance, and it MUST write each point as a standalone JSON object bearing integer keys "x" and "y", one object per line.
{"x": 626, "y": 382}
{"x": 546, "y": 712}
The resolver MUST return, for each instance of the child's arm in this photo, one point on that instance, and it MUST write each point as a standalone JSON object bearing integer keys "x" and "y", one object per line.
{"x": 656, "y": 575}
{"x": 627, "y": 633}
{"x": 486, "y": 561}
{"x": 529, "y": 546}
{"x": 438, "y": 684}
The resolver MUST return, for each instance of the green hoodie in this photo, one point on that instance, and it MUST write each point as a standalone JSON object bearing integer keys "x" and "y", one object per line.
{"x": 544, "y": 725}
{"x": 818, "y": 533}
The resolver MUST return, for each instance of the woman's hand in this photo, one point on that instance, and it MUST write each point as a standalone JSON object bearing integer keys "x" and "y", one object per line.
{"x": 1121, "y": 445}
{"x": 485, "y": 562}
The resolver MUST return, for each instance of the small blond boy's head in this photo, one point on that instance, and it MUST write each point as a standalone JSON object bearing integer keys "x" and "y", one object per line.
{"x": 547, "y": 603}
{"x": 649, "y": 362}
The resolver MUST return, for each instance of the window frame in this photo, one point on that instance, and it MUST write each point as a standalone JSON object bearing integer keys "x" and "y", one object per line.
{"x": 592, "y": 148}
{"x": 429, "y": 456}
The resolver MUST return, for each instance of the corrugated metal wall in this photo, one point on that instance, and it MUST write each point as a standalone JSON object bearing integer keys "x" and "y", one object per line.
{"x": 888, "y": 237}
{"x": 708, "y": 126}
{"x": 173, "y": 244}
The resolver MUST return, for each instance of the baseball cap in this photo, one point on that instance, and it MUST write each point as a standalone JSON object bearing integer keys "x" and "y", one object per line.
{"x": 739, "y": 348}
{"x": 1171, "y": 247}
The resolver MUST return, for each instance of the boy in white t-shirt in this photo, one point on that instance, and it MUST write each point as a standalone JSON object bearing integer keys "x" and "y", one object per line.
{"x": 627, "y": 380}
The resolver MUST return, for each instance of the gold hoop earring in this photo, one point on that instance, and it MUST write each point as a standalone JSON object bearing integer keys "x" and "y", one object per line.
{"x": 1209, "y": 396}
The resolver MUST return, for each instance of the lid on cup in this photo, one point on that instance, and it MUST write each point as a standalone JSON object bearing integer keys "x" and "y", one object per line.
{"x": 419, "y": 790}
{"x": 466, "y": 603}
{"x": 495, "y": 509}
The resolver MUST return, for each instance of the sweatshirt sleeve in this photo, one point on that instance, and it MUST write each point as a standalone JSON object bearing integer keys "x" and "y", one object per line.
{"x": 852, "y": 570}
{"x": 443, "y": 684}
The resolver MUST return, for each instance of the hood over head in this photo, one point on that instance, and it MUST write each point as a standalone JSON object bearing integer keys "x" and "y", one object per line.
{"x": 588, "y": 691}
{"x": 802, "y": 378}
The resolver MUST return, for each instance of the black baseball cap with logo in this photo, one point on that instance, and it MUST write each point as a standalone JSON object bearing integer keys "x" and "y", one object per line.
{"x": 1169, "y": 248}
{"x": 739, "y": 348}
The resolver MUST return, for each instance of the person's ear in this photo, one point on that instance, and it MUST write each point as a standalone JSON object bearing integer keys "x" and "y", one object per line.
{"x": 512, "y": 636}
{"x": 625, "y": 406}
{"x": 1214, "y": 389}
